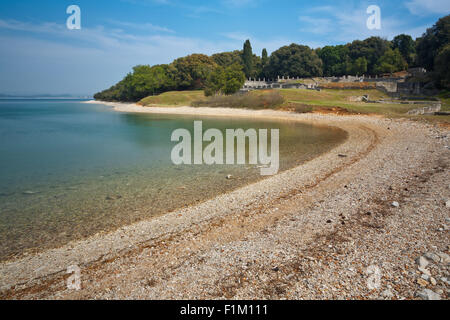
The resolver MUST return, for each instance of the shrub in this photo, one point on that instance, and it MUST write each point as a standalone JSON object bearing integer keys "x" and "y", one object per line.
{"x": 251, "y": 100}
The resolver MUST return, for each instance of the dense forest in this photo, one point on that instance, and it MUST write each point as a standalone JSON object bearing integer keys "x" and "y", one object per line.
{"x": 225, "y": 73}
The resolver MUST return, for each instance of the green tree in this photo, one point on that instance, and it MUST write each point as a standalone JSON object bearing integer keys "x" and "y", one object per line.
{"x": 247, "y": 59}
{"x": 442, "y": 67}
{"x": 228, "y": 80}
{"x": 142, "y": 82}
{"x": 431, "y": 43}
{"x": 295, "y": 61}
{"x": 264, "y": 57}
{"x": 335, "y": 60}
{"x": 372, "y": 49}
{"x": 226, "y": 59}
{"x": 392, "y": 61}
{"x": 264, "y": 63}
{"x": 407, "y": 47}
{"x": 192, "y": 71}
{"x": 359, "y": 67}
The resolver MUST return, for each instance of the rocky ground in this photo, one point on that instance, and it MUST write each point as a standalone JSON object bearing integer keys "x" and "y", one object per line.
{"x": 369, "y": 220}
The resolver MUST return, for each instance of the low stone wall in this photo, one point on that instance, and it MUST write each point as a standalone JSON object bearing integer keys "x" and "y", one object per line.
{"x": 394, "y": 86}
{"x": 436, "y": 107}
{"x": 388, "y": 87}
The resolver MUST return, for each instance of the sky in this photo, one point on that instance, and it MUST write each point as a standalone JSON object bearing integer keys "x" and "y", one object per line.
{"x": 40, "y": 55}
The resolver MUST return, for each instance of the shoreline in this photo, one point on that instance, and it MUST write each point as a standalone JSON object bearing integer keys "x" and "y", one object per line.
{"x": 366, "y": 136}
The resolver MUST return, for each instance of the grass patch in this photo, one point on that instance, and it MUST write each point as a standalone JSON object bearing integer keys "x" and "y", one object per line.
{"x": 330, "y": 96}
{"x": 339, "y": 101}
{"x": 342, "y": 100}
{"x": 444, "y": 96}
{"x": 348, "y": 85}
{"x": 173, "y": 98}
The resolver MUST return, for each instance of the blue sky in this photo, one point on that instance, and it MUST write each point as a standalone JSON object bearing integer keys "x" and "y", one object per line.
{"x": 40, "y": 55}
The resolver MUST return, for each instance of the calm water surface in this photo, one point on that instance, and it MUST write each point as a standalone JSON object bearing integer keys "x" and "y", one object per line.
{"x": 69, "y": 170}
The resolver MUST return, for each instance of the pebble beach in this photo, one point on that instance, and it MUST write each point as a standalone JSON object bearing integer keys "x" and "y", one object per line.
{"x": 367, "y": 220}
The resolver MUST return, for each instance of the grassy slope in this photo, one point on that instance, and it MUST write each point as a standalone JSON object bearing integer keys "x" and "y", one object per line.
{"x": 311, "y": 100}
{"x": 173, "y": 98}
{"x": 331, "y": 98}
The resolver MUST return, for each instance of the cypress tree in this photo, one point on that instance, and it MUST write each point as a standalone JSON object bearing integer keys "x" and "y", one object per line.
{"x": 247, "y": 58}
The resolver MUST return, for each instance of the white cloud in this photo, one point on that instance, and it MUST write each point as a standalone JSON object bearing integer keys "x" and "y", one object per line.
{"x": 49, "y": 58}
{"x": 348, "y": 23}
{"x": 141, "y": 26}
{"x": 316, "y": 25}
{"x": 424, "y": 7}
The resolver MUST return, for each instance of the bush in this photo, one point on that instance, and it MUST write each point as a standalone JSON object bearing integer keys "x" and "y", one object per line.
{"x": 251, "y": 100}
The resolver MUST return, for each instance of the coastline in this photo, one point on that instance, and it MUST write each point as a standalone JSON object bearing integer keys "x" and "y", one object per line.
{"x": 233, "y": 220}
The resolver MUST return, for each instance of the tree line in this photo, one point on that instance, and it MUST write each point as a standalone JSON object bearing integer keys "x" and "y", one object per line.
{"x": 225, "y": 73}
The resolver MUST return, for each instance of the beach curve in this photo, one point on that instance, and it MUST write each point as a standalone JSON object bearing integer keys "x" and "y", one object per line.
{"x": 245, "y": 213}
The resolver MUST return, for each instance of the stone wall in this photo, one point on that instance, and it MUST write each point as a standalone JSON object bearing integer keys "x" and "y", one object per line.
{"x": 435, "y": 107}
{"x": 387, "y": 86}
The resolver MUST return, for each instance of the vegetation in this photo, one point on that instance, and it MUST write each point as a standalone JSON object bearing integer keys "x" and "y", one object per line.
{"x": 264, "y": 63}
{"x": 219, "y": 73}
{"x": 390, "y": 62}
{"x": 192, "y": 71}
{"x": 173, "y": 98}
{"x": 268, "y": 99}
{"x": 247, "y": 59}
{"x": 295, "y": 61}
{"x": 407, "y": 47}
{"x": 442, "y": 67}
{"x": 227, "y": 59}
{"x": 432, "y": 41}
{"x": 301, "y": 101}
{"x": 225, "y": 80}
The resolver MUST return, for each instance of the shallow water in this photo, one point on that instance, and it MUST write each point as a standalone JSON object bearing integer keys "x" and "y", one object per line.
{"x": 69, "y": 170}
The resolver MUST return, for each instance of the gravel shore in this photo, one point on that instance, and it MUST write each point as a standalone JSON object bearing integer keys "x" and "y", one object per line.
{"x": 367, "y": 220}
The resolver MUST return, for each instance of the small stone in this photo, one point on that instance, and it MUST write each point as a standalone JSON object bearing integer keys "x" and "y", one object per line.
{"x": 117, "y": 197}
{"x": 432, "y": 256}
{"x": 422, "y": 262}
{"x": 445, "y": 258}
{"x": 275, "y": 269}
{"x": 29, "y": 193}
{"x": 425, "y": 277}
{"x": 422, "y": 282}
{"x": 424, "y": 271}
{"x": 433, "y": 281}
{"x": 428, "y": 294}
{"x": 395, "y": 204}
{"x": 447, "y": 204}
{"x": 229, "y": 177}
{"x": 387, "y": 294}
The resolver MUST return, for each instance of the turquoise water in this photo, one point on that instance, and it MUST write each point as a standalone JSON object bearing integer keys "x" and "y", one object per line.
{"x": 69, "y": 170}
